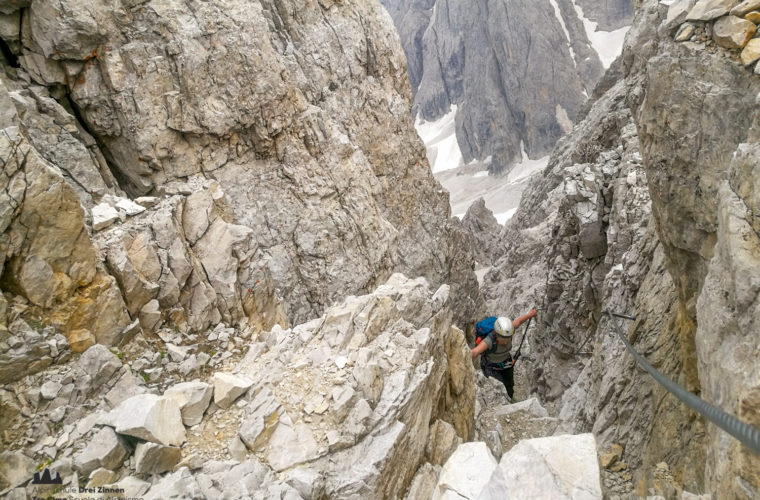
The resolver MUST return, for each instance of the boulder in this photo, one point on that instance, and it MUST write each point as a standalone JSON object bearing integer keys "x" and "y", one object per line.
{"x": 152, "y": 458}
{"x": 192, "y": 398}
{"x": 732, "y": 32}
{"x": 227, "y": 388}
{"x": 466, "y": 473}
{"x": 100, "y": 477}
{"x": 103, "y": 215}
{"x": 291, "y": 445}
{"x": 15, "y": 468}
{"x": 152, "y": 418}
{"x": 265, "y": 412}
{"x": 678, "y": 10}
{"x": 751, "y": 52}
{"x": 615, "y": 453}
{"x": 99, "y": 364}
{"x": 557, "y": 467}
{"x": 707, "y": 10}
{"x": 105, "y": 450}
{"x": 745, "y": 8}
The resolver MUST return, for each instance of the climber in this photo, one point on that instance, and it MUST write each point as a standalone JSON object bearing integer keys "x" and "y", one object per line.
{"x": 493, "y": 338}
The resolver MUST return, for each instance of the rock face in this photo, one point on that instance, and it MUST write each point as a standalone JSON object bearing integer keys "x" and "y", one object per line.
{"x": 554, "y": 467}
{"x": 583, "y": 241}
{"x": 479, "y": 56}
{"x": 654, "y": 143}
{"x": 705, "y": 229}
{"x": 380, "y": 369}
{"x": 484, "y": 231}
{"x": 272, "y": 198}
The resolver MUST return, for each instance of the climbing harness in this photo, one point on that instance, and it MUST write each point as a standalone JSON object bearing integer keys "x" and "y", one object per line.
{"x": 745, "y": 433}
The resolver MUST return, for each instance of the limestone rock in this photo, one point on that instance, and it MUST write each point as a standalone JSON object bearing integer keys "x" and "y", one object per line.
{"x": 105, "y": 450}
{"x": 264, "y": 415}
{"x": 81, "y": 340}
{"x": 98, "y": 364}
{"x": 291, "y": 445}
{"x": 553, "y": 467}
{"x": 100, "y": 477}
{"x": 340, "y": 188}
{"x": 52, "y": 262}
{"x": 614, "y": 454}
{"x": 484, "y": 230}
{"x": 103, "y": 215}
{"x": 129, "y": 207}
{"x": 753, "y": 16}
{"x": 751, "y": 52}
{"x": 227, "y": 388}
{"x": 732, "y": 32}
{"x": 192, "y": 398}
{"x": 531, "y": 406}
{"x": 685, "y": 32}
{"x": 707, "y": 10}
{"x": 309, "y": 413}
{"x": 152, "y": 418}
{"x": 15, "y": 468}
{"x": 152, "y": 458}
{"x": 677, "y": 11}
{"x": 424, "y": 482}
{"x": 466, "y": 473}
{"x": 442, "y": 443}
{"x": 745, "y": 8}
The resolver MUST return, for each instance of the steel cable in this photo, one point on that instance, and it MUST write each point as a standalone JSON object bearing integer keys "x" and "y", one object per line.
{"x": 745, "y": 433}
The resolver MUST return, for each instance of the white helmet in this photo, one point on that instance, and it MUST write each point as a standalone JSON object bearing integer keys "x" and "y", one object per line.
{"x": 503, "y": 327}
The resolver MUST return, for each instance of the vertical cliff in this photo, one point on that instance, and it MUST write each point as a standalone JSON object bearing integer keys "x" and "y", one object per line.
{"x": 519, "y": 72}
{"x": 275, "y": 139}
{"x": 648, "y": 208}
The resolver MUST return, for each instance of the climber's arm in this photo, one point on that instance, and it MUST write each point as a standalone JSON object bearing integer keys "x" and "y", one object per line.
{"x": 479, "y": 349}
{"x": 525, "y": 317}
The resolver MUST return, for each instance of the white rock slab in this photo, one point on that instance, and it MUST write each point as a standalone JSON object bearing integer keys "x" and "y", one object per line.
{"x": 192, "y": 398}
{"x": 531, "y": 406}
{"x": 291, "y": 446}
{"x": 130, "y": 207}
{"x": 466, "y": 472}
{"x": 556, "y": 467}
{"x": 103, "y": 215}
{"x": 153, "y": 418}
{"x": 227, "y": 388}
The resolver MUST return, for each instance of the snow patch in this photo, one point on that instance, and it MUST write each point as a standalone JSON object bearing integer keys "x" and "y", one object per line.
{"x": 564, "y": 28}
{"x": 607, "y": 44}
{"x": 503, "y": 217}
{"x": 526, "y": 167}
{"x": 440, "y": 141}
{"x": 483, "y": 173}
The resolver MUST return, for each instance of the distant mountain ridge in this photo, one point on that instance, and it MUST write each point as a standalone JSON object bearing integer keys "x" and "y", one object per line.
{"x": 519, "y": 71}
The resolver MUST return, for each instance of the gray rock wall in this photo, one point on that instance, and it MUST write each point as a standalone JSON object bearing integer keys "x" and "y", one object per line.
{"x": 299, "y": 114}
{"x": 582, "y": 241}
{"x": 699, "y": 132}
{"x": 648, "y": 207}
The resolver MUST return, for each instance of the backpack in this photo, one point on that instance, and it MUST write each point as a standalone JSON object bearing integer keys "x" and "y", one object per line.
{"x": 484, "y": 329}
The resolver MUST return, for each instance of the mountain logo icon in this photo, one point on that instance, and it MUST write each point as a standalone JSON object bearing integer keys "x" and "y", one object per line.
{"x": 47, "y": 477}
